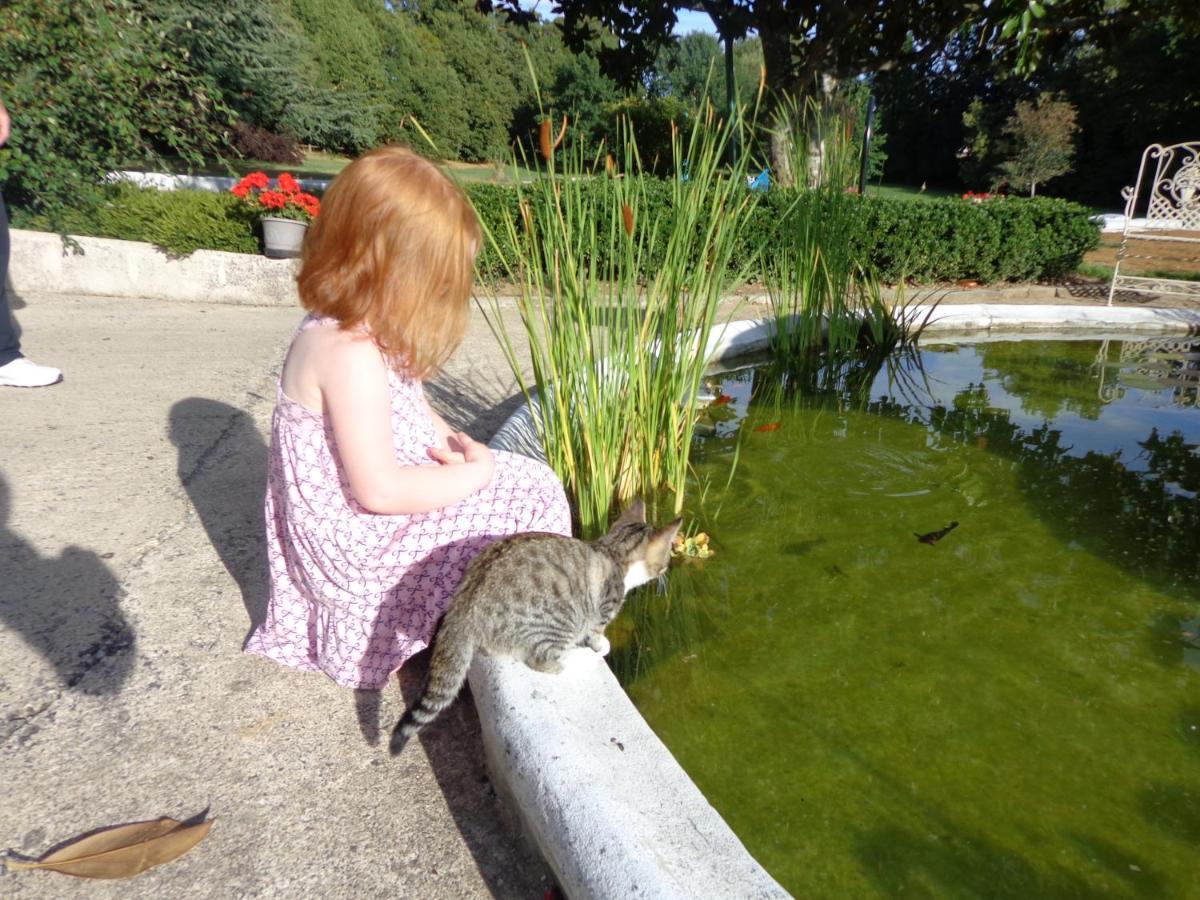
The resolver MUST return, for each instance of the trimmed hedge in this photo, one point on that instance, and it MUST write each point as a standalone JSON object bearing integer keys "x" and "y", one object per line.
{"x": 179, "y": 222}
{"x": 925, "y": 240}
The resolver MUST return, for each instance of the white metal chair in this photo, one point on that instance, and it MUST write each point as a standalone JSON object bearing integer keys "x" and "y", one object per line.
{"x": 1168, "y": 188}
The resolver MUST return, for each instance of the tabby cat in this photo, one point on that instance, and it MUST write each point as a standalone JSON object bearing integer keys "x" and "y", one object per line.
{"x": 533, "y": 596}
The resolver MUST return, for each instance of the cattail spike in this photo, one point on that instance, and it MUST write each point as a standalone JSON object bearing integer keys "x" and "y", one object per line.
{"x": 627, "y": 215}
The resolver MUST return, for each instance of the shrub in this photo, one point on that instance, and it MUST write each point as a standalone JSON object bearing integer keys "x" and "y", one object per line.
{"x": 92, "y": 86}
{"x": 179, "y": 222}
{"x": 252, "y": 142}
{"x": 940, "y": 240}
{"x": 1009, "y": 239}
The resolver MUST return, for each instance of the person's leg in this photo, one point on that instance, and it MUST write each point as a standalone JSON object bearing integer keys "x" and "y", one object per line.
{"x": 15, "y": 369}
{"x": 10, "y": 346}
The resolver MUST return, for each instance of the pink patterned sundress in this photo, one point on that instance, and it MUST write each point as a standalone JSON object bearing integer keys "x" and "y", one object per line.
{"x": 354, "y": 594}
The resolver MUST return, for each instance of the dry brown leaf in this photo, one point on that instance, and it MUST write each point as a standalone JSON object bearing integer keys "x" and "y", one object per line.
{"x": 121, "y": 851}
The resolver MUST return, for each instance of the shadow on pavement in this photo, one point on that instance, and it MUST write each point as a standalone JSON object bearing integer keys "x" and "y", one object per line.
{"x": 454, "y": 746}
{"x": 466, "y": 407}
{"x": 223, "y": 468}
{"x": 66, "y": 607}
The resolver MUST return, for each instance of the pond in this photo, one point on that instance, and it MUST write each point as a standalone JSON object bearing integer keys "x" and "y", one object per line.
{"x": 1010, "y": 706}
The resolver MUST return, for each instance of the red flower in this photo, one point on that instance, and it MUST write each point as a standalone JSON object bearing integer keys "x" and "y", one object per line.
{"x": 257, "y": 180}
{"x": 308, "y": 203}
{"x": 240, "y": 190}
{"x": 272, "y": 199}
{"x": 287, "y": 183}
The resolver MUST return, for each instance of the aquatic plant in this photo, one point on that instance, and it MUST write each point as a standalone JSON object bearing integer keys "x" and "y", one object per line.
{"x": 617, "y": 357}
{"x": 825, "y": 299}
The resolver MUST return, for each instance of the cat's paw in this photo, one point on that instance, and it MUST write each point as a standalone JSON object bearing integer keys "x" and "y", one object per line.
{"x": 599, "y": 643}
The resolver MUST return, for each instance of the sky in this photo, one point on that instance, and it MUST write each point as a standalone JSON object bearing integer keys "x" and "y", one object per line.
{"x": 687, "y": 21}
{"x": 694, "y": 21}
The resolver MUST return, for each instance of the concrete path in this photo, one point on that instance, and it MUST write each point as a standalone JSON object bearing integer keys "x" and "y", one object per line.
{"x": 131, "y": 567}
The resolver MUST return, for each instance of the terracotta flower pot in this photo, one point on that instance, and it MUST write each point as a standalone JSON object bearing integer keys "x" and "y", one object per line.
{"x": 282, "y": 237}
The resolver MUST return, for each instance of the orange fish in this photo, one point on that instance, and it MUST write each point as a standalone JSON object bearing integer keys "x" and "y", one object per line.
{"x": 721, "y": 400}
{"x": 770, "y": 426}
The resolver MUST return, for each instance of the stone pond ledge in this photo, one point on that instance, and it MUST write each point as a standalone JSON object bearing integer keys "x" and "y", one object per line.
{"x": 607, "y": 805}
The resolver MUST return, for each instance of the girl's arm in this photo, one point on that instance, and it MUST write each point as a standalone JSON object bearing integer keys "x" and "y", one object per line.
{"x": 354, "y": 386}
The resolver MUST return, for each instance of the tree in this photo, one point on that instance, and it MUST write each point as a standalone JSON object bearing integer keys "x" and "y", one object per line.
{"x": 1043, "y": 134}
{"x": 582, "y": 92}
{"x": 812, "y": 46}
{"x": 809, "y": 46}
{"x": 251, "y": 50}
{"x": 94, "y": 87}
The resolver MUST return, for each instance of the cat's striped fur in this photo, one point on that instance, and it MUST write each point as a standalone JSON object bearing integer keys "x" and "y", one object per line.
{"x": 534, "y": 596}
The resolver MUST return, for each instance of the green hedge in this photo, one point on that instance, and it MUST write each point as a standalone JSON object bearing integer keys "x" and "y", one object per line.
{"x": 177, "y": 221}
{"x": 925, "y": 240}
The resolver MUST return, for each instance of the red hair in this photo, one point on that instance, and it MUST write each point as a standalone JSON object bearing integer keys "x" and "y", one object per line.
{"x": 394, "y": 250}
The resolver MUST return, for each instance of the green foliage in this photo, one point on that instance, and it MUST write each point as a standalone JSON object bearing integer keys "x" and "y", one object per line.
{"x": 92, "y": 86}
{"x": 1009, "y": 239}
{"x": 254, "y": 54}
{"x": 653, "y": 120}
{"x": 685, "y": 68}
{"x": 926, "y": 240}
{"x": 583, "y": 93}
{"x": 179, "y": 222}
{"x": 348, "y": 113}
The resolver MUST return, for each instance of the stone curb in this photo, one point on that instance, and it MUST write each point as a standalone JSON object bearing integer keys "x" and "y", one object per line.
{"x": 1036, "y": 319}
{"x": 41, "y": 264}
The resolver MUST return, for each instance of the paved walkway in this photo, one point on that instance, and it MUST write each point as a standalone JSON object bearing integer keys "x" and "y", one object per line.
{"x": 131, "y": 567}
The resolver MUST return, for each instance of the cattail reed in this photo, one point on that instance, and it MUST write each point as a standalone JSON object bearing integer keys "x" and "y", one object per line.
{"x": 618, "y": 298}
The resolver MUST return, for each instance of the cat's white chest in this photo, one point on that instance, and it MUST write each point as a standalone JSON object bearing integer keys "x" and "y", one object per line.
{"x": 636, "y": 575}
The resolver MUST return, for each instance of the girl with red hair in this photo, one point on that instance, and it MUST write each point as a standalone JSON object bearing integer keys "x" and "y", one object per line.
{"x": 374, "y": 504}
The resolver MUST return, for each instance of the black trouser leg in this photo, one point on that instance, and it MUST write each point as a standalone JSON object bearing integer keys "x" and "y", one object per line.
{"x": 10, "y": 346}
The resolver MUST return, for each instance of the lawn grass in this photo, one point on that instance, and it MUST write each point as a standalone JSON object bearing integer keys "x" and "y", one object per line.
{"x": 1096, "y": 270}
{"x": 318, "y": 164}
{"x": 906, "y": 192}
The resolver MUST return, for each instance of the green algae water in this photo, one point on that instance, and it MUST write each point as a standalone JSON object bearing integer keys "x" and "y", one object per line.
{"x": 1008, "y": 709}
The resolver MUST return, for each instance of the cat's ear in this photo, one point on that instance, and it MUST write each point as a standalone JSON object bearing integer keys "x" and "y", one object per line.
{"x": 635, "y": 513}
{"x": 660, "y": 543}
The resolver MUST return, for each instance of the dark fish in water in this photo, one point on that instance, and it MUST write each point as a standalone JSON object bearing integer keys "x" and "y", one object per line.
{"x": 934, "y": 536}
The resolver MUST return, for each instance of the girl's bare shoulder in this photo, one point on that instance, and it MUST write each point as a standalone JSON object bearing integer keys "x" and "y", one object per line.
{"x": 324, "y": 355}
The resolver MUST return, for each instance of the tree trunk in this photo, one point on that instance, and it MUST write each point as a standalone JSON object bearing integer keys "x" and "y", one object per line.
{"x": 1032, "y": 188}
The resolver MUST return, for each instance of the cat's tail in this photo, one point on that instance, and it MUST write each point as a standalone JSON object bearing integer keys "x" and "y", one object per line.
{"x": 452, "y": 652}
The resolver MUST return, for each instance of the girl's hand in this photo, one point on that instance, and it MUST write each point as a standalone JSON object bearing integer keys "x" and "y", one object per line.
{"x": 476, "y": 454}
{"x": 462, "y": 449}
{"x": 452, "y": 454}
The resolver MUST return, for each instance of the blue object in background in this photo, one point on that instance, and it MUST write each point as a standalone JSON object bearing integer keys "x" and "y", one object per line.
{"x": 761, "y": 181}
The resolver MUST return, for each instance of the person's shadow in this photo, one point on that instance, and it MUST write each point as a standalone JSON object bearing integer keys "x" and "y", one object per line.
{"x": 223, "y": 468}
{"x": 67, "y": 608}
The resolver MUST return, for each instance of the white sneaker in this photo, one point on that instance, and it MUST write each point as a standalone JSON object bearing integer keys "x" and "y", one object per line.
{"x": 22, "y": 372}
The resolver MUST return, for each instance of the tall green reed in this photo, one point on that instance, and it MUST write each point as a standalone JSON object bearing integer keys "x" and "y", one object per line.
{"x": 828, "y": 306}
{"x": 617, "y": 346}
